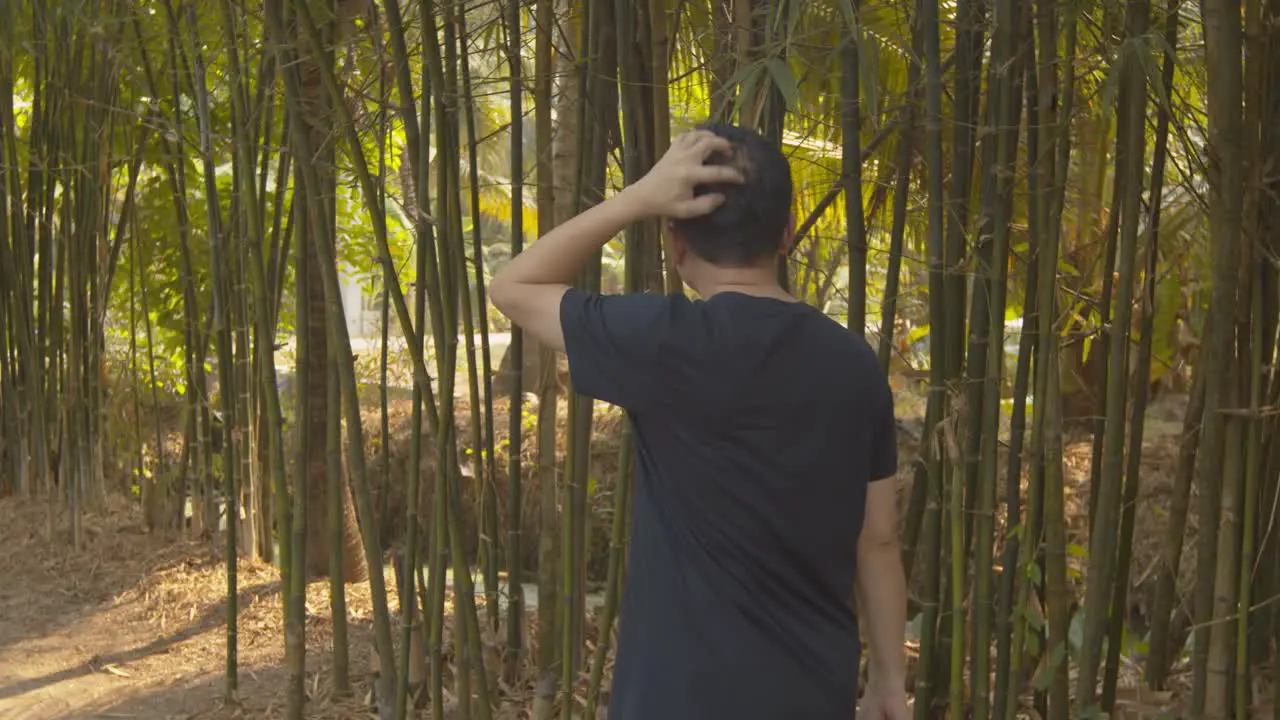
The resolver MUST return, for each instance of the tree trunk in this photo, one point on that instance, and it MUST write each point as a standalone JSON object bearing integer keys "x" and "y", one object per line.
{"x": 317, "y": 109}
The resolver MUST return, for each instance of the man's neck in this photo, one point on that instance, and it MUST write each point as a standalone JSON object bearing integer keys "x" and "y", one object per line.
{"x": 754, "y": 281}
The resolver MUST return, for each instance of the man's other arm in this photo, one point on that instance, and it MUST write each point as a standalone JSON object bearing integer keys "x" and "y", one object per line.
{"x": 882, "y": 587}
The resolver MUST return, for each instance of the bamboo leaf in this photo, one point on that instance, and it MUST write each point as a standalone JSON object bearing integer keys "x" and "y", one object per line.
{"x": 1045, "y": 673}
{"x": 785, "y": 79}
{"x": 869, "y": 65}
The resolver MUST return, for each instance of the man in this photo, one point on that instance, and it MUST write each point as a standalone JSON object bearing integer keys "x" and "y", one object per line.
{"x": 762, "y": 427}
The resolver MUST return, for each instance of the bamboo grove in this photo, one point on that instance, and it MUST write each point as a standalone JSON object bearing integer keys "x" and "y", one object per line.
{"x": 1042, "y": 215}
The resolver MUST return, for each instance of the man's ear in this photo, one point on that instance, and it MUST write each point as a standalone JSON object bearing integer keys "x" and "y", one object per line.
{"x": 679, "y": 249}
{"x": 788, "y": 236}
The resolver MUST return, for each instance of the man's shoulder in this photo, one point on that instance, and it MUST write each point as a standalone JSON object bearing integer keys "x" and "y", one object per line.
{"x": 645, "y": 299}
{"x": 842, "y": 338}
{"x": 621, "y": 308}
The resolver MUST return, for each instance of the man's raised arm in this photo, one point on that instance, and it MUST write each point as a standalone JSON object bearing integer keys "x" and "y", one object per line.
{"x": 528, "y": 289}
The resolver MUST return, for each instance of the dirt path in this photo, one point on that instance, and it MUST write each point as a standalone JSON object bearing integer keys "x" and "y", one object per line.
{"x": 133, "y": 626}
{"x": 74, "y": 640}
{"x": 102, "y": 661}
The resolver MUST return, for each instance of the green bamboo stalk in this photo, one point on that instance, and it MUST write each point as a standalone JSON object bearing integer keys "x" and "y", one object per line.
{"x": 928, "y": 25}
{"x": 449, "y": 248}
{"x": 433, "y": 602}
{"x": 281, "y": 230}
{"x": 23, "y": 353}
{"x": 918, "y": 505}
{"x": 1222, "y": 31}
{"x": 417, "y": 126}
{"x": 901, "y": 194}
{"x": 465, "y": 597}
{"x": 409, "y": 617}
{"x": 195, "y": 447}
{"x": 641, "y": 259}
{"x": 1162, "y": 647}
{"x": 851, "y": 171}
{"x": 968, "y": 91}
{"x": 438, "y": 299}
{"x": 515, "y": 416}
{"x": 266, "y": 364}
{"x": 573, "y": 521}
{"x": 161, "y": 472}
{"x": 1006, "y": 98}
{"x": 1217, "y": 693}
{"x": 222, "y": 325}
{"x": 1103, "y": 341}
{"x": 1055, "y": 553}
{"x": 1103, "y": 539}
{"x": 342, "y": 349}
{"x": 1056, "y": 589}
{"x": 337, "y": 572}
{"x": 1249, "y": 504}
{"x": 405, "y": 588}
{"x": 294, "y": 535}
{"x": 1014, "y": 517}
{"x": 1045, "y": 489}
{"x": 1137, "y": 419}
{"x": 19, "y": 483}
{"x": 1255, "y": 204}
{"x": 145, "y": 488}
{"x": 384, "y": 326}
{"x": 955, "y": 526}
{"x": 203, "y": 510}
{"x": 548, "y": 389}
{"x": 485, "y": 480}
{"x": 1112, "y": 22}
{"x": 27, "y": 372}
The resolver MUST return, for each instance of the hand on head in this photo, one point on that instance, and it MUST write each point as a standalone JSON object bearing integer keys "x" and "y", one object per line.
{"x": 670, "y": 188}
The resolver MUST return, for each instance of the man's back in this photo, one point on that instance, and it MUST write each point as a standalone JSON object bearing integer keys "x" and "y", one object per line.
{"x": 759, "y": 423}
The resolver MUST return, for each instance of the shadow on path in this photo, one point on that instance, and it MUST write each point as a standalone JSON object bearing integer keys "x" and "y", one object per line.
{"x": 214, "y": 616}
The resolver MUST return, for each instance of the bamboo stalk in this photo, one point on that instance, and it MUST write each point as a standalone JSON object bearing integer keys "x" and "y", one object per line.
{"x": 545, "y": 687}
{"x": 453, "y": 250}
{"x": 1225, "y": 97}
{"x": 1103, "y": 537}
{"x": 1141, "y": 386}
{"x": 931, "y": 595}
{"x": 346, "y": 370}
{"x": 1055, "y": 572}
{"x": 515, "y": 417}
{"x": 851, "y": 171}
{"x": 1007, "y": 96}
{"x": 481, "y": 424}
{"x": 222, "y": 326}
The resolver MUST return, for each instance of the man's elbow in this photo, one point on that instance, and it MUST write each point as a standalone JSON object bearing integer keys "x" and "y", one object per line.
{"x": 500, "y": 294}
{"x": 878, "y": 540}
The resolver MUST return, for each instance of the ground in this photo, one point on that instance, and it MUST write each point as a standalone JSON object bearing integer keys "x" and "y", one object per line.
{"x": 133, "y": 625}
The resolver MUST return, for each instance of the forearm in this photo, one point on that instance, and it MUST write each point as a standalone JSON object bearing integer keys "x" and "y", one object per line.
{"x": 531, "y": 288}
{"x": 559, "y": 256}
{"x": 882, "y": 587}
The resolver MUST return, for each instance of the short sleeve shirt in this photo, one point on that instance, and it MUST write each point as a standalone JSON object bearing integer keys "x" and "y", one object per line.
{"x": 758, "y": 425}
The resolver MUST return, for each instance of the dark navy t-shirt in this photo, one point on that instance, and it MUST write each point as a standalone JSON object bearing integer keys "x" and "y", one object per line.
{"x": 758, "y": 425}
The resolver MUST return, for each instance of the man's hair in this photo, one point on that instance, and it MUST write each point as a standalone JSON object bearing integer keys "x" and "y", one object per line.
{"x": 749, "y": 225}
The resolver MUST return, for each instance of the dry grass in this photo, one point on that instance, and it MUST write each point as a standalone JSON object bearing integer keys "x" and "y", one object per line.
{"x": 133, "y": 624}
{"x": 605, "y": 448}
